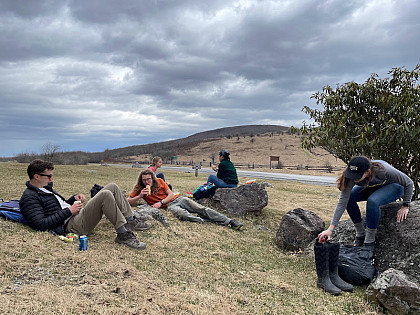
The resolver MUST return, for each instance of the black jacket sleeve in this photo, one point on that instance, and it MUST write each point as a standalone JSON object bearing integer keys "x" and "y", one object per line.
{"x": 42, "y": 212}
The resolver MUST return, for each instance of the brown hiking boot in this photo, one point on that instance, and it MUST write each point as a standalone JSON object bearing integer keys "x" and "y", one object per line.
{"x": 129, "y": 239}
{"x": 138, "y": 225}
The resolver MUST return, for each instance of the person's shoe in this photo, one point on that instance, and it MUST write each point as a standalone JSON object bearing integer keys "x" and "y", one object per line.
{"x": 129, "y": 239}
{"x": 370, "y": 246}
{"x": 137, "y": 225}
{"x": 358, "y": 242}
{"x": 333, "y": 253}
{"x": 236, "y": 225}
{"x": 322, "y": 259}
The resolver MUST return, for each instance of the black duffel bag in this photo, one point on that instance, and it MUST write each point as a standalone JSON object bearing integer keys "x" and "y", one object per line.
{"x": 356, "y": 265}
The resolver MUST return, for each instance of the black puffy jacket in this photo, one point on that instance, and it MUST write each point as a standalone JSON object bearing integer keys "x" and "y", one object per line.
{"x": 42, "y": 210}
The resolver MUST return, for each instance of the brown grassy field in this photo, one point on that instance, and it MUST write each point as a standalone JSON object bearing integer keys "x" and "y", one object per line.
{"x": 257, "y": 150}
{"x": 187, "y": 268}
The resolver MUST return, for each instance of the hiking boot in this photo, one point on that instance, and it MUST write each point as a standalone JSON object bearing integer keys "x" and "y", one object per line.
{"x": 236, "y": 225}
{"x": 358, "y": 242}
{"x": 137, "y": 225}
{"x": 129, "y": 239}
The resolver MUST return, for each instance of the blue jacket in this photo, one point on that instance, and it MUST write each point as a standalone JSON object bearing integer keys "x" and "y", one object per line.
{"x": 42, "y": 210}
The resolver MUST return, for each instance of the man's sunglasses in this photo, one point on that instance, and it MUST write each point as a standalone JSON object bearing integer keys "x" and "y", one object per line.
{"x": 49, "y": 176}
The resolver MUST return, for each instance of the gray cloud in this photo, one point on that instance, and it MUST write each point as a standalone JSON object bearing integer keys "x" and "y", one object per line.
{"x": 91, "y": 75}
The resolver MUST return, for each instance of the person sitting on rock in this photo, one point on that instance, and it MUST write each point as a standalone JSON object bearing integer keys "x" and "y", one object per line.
{"x": 45, "y": 209}
{"x": 376, "y": 182}
{"x": 226, "y": 172}
{"x": 158, "y": 195}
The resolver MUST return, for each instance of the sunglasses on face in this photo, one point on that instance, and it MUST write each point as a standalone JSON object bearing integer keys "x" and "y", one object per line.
{"x": 49, "y": 176}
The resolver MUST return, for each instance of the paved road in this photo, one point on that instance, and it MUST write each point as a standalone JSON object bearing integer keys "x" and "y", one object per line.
{"x": 307, "y": 179}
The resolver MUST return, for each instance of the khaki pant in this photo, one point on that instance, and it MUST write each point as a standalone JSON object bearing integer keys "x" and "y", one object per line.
{"x": 110, "y": 202}
{"x": 182, "y": 207}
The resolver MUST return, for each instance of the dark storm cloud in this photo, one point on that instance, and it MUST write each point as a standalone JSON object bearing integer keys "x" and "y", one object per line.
{"x": 90, "y": 75}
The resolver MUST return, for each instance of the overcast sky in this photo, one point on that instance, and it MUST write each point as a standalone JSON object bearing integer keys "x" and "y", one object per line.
{"x": 95, "y": 74}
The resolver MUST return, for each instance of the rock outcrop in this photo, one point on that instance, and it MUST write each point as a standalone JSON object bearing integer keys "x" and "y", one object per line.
{"x": 241, "y": 200}
{"x": 298, "y": 228}
{"x": 395, "y": 292}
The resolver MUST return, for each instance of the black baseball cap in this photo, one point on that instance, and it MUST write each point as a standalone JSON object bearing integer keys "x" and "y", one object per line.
{"x": 357, "y": 167}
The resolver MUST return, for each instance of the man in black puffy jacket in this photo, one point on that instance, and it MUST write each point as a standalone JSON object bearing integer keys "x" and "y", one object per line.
{"x": 45, "y": 209}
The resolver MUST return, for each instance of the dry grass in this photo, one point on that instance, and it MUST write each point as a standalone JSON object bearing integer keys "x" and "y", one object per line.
{"x": 188, "y": 268}
{"x": 258, "y": 149}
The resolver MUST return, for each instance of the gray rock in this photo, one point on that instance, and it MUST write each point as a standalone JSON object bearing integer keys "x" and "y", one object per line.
{"x": 146, "y": 211}
{"x": 399, "y": 243}
{"x": 298, "y": 228}
{"x": 241, "y": 200}
{"x": 395, "y": 292}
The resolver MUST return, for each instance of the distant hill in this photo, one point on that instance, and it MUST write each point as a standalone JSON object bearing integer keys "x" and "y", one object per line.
{"x": 250, "y": 145}
{"x": 166, "y": 149}
{"x": 236, "y": 131}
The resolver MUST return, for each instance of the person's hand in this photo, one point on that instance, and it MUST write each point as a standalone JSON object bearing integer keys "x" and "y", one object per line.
{"x": 326, "y": 233}
{"x": 402, "y": 214}
{"x": 144, "y": 192}
{"x": 214, "y": 167}
{"x": 76, "y": 207}
{"x": 157, "y": 205}
{"x": 80, "y": 197}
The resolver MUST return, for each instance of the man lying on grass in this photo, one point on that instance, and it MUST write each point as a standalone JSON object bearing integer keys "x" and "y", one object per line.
{"x": 45, "y": 209}
{"x": 158, "y": 195}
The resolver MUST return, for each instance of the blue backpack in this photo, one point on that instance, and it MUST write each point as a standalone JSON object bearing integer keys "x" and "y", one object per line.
{"x": 204, "y": 191}
{"x": 11, "y": 210}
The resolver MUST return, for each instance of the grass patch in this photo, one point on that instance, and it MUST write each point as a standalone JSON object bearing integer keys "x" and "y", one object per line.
{"x": 187, "y": 268}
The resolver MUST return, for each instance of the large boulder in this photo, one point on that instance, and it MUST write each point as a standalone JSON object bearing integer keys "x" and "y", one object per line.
{"x": 398, "y": 244}
{"x": 298, "y": 228}
{"x": 241, "y": 200}
{"x": 395, "y": 292}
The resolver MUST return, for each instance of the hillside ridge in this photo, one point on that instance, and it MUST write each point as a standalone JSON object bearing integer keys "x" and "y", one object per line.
{"x": 169, "y": 148}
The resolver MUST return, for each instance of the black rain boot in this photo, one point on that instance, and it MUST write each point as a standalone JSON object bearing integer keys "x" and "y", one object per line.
{"x": 333, "y": 251}
{"x": 322, "y": 269}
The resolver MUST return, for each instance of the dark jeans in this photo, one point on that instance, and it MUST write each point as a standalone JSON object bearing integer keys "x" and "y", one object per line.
{"x": 375, "y": 197}
{"x": 219, "y": 183}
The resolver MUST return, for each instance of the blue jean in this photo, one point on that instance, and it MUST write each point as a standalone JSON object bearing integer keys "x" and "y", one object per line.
{"x": 375, "y": 197}
{"x": 219, "y": 183}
